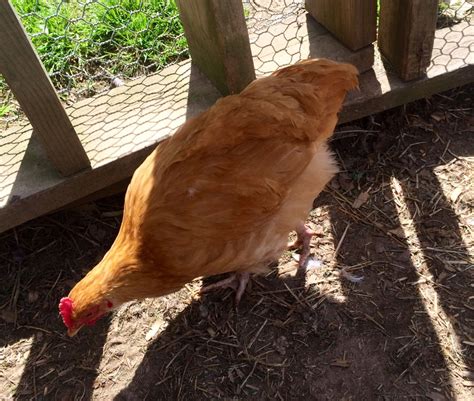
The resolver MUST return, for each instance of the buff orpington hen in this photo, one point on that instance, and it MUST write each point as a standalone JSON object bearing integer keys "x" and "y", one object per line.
{"x": 223, "y": 193}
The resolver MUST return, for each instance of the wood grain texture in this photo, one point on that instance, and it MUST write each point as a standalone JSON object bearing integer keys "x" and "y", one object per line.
{"x": 353, "y": 22}
{"x": 118, "y": 129}
{"x": 379, "y": 91}
{"x": 121, "y": 127}
{"x": 27, "y": 78}
{"x": 218, "y": 42}
{"x": 406, "y": 35}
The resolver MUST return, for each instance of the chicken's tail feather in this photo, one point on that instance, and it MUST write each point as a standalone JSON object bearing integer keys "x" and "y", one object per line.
{"x": 319, "y": 87}
{"x": 322, "y": 72}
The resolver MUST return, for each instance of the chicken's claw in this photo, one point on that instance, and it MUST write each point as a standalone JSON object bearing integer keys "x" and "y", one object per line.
{"x": 243, "y": 279}
{"x": 236, "y": 281}
{"x": 303, "y": 240}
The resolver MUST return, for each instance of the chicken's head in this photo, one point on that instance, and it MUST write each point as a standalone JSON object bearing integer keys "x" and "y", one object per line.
{"x": 75, "y": 318}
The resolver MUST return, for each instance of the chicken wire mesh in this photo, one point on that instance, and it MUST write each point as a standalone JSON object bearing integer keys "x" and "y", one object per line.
{"x": 277, "y": 33}
{"x": 454, "y": 40}
{"x": 97, "y": 55}
{"x": 89, "y": 46}
{"x": 85, "y": 45}
{"x": 110, "y": 126}
{"x": 282, "y": 32}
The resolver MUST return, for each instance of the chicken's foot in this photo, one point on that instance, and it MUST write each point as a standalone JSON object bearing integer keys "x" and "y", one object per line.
{"x": 303, "y": 240}
{"x": 237, "y": 281}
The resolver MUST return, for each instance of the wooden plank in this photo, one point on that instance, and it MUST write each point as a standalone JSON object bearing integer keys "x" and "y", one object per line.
{"x": 111, "y": 190}
{"x": 218, "y": 42}
{"x": 65, "y": 191}
{"x": 406, "y": 34}
{"x": 120, "y": 128}
{"x": 299, "y": 38}
{"x": 27, "y": 78}
{"x": 379, "y": 91}
{"x": 353, "y": 22}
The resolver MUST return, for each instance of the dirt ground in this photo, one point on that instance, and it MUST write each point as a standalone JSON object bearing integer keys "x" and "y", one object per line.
{"x": 400, "y": 215}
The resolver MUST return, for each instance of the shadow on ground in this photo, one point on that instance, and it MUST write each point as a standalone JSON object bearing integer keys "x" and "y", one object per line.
{"x": 396, "y": 335}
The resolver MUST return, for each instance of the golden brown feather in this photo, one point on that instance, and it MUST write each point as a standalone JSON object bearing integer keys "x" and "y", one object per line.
{"x": 224, "y": 192}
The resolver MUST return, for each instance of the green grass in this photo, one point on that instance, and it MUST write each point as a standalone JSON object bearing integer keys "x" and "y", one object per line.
{"x": 82, "y": 43}
{"x": 4, "y": 109}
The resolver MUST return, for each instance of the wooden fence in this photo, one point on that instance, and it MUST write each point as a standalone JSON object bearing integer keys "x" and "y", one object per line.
{"x": 230, "y": 51}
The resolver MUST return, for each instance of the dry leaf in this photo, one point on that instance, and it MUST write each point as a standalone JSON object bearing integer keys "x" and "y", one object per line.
{"x": 361, "y": 199}
{"x": 441, "y": 277}
{"x": 311, "y": 279}
{"x": 455, "y": 194}
{"x": 211, "y": 332}
{"x": 157, "y": 327}
{"x": 438, "y": 116}
{"x": 341, "y": 363}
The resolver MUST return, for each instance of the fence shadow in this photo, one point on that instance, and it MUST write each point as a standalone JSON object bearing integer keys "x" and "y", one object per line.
{"x": 406, "y": 257}
{"x": 375, "y": 340}
{"x": 41, "y": 261}
{"x": 202, "y": 94}
{"x": 46, "y": 371}
{"x": 392, "y": 319}
{"x": 445, "y": 260}
{"x": 274, "y": 347}
{"x": 367, "y": 341}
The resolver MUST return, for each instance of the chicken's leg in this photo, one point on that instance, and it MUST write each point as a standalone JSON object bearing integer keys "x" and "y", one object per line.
{"x": 237, "y": 281}
{"x": 303, "y": 240}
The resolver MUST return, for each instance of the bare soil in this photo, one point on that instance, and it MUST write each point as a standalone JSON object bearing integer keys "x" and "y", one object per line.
{"x": 400, "y": 215}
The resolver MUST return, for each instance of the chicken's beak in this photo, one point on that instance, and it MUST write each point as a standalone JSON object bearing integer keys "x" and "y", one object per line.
{"x": 71, "y": 332}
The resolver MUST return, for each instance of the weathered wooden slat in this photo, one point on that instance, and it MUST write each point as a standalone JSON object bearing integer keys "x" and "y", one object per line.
{"x": 27, "y": 78}
{"x": 120, "y": 128}
{"x": 353, "y": 22}
{"x": 406, "y": 34}
{"x": 218, "y": 42}
{"x": 380, "y": 91}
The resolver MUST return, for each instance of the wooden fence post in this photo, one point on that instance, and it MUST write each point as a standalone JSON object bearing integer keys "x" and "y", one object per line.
{"x": 27, "y": 78}
{"x": 406, "y": 35}
{"x": 353, "y": 22}
{"x": 218, "y": 42}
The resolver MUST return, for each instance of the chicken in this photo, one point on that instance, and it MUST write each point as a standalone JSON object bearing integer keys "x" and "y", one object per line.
{"x": 222, "y": 195}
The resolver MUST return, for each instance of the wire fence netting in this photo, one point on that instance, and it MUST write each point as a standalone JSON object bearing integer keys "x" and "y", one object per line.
{"x": 89, "y": 47}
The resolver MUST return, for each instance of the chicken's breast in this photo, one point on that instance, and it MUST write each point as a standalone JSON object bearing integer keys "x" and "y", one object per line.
{"x": 225, "y": 191}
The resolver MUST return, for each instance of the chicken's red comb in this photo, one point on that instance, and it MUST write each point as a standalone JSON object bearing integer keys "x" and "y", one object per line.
{"x": 65, "y": 309}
